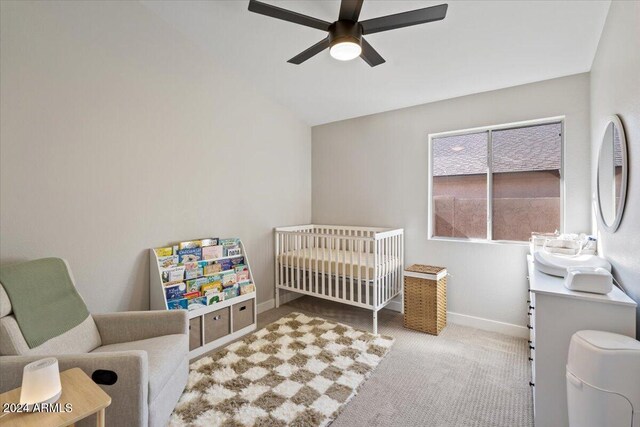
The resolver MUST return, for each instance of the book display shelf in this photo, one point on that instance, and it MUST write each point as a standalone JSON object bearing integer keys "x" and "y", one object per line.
{"x": 210, "y": 278}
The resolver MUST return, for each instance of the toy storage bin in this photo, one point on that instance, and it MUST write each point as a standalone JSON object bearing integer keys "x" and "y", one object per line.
{"x": 425, "y": 298}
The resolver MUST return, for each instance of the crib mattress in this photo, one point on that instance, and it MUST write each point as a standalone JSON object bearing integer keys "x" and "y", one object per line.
{"x": 343, "y": 263}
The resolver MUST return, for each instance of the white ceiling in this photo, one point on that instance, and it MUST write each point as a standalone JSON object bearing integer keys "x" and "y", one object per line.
{"x": 479, "y": 46}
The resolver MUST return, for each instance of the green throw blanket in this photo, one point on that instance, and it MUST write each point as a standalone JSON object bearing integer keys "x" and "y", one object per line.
{"x": 43, "y": 299}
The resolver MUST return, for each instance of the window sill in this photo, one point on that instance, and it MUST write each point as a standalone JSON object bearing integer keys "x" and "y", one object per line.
{"x": 480, "y": 241}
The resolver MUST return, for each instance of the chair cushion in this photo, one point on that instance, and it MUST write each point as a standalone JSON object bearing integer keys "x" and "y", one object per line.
{"x": 165, "y": 355}
{"x": 5, "y": 304}
{"x": 80, "y": 339}
{"x": 44, "y": 299}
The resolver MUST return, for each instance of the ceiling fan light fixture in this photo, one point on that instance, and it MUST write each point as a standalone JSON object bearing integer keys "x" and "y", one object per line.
{"x": 345, "y": 41}
{"x": 345, "y": 51}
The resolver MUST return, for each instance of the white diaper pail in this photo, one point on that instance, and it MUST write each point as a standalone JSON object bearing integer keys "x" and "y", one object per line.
{"x": 603, "y": 380}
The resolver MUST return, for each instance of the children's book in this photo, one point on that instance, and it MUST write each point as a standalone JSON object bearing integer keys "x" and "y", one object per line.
{"x": 196, "y": 284}
{"x": 242, "y": 275}
{"x": 196, "y": 303}
{"x": 168, "y": 261}
{"x": 214, "y": 278}
{"x": 212, "y": 269}
{"x": 212, "y": 252}
{"x": 211, "y": 287}
{"x": 191, "y": 265}
{"x": 231, "y": 292}
{"x": 175, "y": 291}
{"x": 192, "y": 270}
{"x": 191, "y": 295}
{"x": 189, "y": 255}
{"x": 190, "y": 244}
{"x": 240, "y": 267}
{"x": 178, "y": 304}
{"x": 225, "y": 264}
{"x": 247, "y": 288}
{"x": 211, "y": 241}
{"x": 175, "y": 274}
{"x": 214, "y": 297}
{"x": 229, "y": 280}
{"x": 229, "y": 245}
{"x": 237, "y": 261}
{"x": 234, "y": 251}
{"x": 229, "y": 242}
{"x": 162, "y": 252}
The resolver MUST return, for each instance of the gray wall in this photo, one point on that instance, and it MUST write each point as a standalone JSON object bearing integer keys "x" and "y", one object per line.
{"x": 615, "y": 89}
{"x": 119, "y": 135}
{"x": 373, "y": 171}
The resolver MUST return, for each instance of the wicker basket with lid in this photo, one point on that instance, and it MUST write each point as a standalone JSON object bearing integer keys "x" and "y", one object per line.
{"x": 425, "y": 298}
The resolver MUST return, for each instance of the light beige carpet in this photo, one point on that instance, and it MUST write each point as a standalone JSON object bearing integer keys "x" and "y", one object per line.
{"x": 298, "y": 371}
{"x": 463, "y": 377}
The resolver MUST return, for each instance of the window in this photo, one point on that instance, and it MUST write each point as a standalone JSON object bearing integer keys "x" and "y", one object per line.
{"x": 496, "y": 183}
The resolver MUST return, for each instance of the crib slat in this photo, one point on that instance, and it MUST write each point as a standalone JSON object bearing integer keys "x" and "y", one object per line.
{"x": 304, "y": 261}
{"x": 379, "y": 275}
{"x": 293, "y": 254}
{"x": 336, "y": 288}
{"x": 303, "y": 268}
{"x": 392, "y": 265}
{"x": 385, "y": 276}
{"x": 395, "y": 265}
{"x": 329, "y": 278}
{"x": 344, "y": 269}
{"x": 375, "y": 273}
{"x": 398, "y": 264}
{"x": 383, "y": 271}
{"x": 389, "y": 271}
{"x": 324, "y": 257}
{"x": 351, "y": 296}
{"x": 360, "y": 249}
{"x": 299, "y": 260}
{"x": 281, "y": 259}
{"x": 277, "y": 265}
{"x": 288, "y": 252}
{"x": 366, "y": 287}
{"x": 385, "y": 251}
{"x": 316, "y": 244}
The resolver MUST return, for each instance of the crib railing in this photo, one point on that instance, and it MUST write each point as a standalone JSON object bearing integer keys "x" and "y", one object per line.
{"x": 361, "y": 266}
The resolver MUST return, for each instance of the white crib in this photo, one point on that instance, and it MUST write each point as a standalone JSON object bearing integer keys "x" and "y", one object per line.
{"x": 359, "y": 266}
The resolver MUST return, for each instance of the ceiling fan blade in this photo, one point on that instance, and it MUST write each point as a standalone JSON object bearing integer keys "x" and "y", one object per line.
{"x": 287, "y": 15}
{"x": 370, "y": 55}
{"x": 312, "y": 51}
{"x": 350, "y": 10}
{"x": 404, "y": 19}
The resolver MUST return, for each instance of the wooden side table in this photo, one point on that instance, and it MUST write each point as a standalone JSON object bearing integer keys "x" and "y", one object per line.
{"x": 85, "y": 396}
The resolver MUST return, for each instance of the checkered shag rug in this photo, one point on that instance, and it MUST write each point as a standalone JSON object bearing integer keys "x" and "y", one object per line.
{"x": 298, "y": 371}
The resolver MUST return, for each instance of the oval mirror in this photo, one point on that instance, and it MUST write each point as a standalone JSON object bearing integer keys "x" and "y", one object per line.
{"x": 612, "y": 175}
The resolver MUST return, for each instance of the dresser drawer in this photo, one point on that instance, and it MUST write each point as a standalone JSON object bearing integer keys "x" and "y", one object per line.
{"x": 216, "y": 325}
{"x": 243, "y": 314}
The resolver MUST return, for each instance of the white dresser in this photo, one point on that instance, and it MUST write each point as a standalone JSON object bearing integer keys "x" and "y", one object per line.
{"x": 555, "y": 314}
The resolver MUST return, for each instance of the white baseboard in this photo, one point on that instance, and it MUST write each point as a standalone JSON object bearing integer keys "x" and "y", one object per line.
{"x": 488, "y": 325}
{"x": 267, "y": 305}
{"x": 477, "y": 322}
{"x": 285, "y": 297}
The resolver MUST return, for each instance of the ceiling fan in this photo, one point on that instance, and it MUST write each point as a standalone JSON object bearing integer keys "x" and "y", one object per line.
{"x": 345, "y": 41}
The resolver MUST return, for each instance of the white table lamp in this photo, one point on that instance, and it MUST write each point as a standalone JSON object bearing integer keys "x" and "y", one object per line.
{"x": 41, "y": 382}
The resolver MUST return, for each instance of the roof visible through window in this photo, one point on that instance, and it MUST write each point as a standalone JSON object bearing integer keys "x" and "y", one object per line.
{"x": 521, "y": 149}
